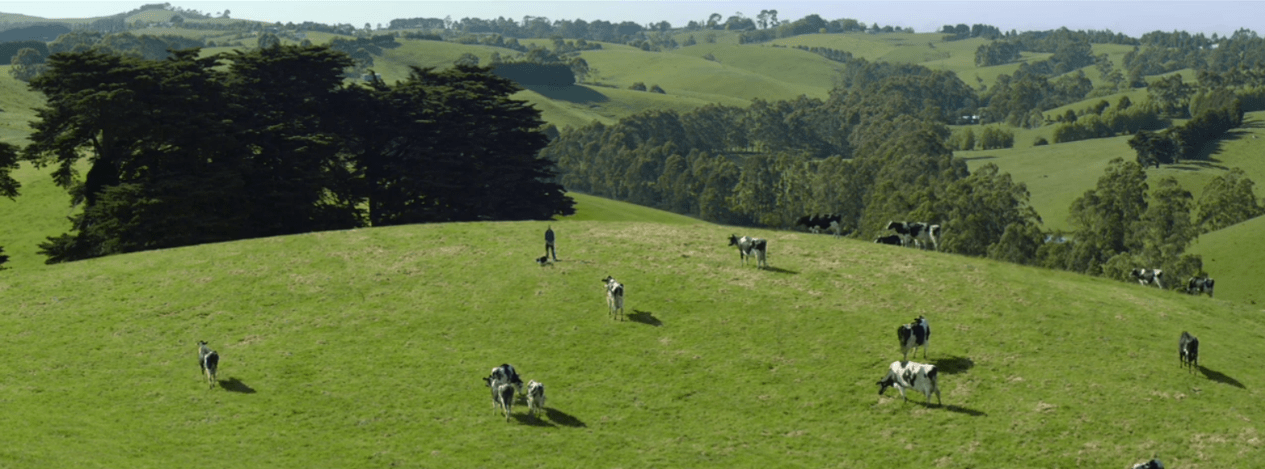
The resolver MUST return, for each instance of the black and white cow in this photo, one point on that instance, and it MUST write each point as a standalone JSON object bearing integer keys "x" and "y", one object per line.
{"x": 503, "y": 398}
{"x": 1148, "y": 277}
{"x": 1152, "y": 464}
{"x": 1197, "y": 285}
{"x": 1188, "y": 350}
{"x": 535, "y": 397}
{"x": 894, "y": 240}
{"x": 917, "y": 376}
{"x": 819, "y": 223}
{"x": 209, "y": 361}
{"x": 614, "y": 297}
{"x": 748, "y": 247}
{"x": 917, "y": 234}
{"x": 914, "y": 335}
{"x": 504, "y": 374}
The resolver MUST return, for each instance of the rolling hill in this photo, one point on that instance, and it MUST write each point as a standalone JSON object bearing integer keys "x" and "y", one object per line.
{"x": 366, "y": 348}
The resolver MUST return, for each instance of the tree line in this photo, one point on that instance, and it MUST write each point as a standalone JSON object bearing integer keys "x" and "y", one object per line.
{"x": 191, "y": 150}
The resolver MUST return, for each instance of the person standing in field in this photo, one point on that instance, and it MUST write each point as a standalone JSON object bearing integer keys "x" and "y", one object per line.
{"x": 549, "y": 248}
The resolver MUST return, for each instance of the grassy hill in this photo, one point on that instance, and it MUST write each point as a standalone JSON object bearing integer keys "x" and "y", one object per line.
{"x": 365, "y": 348}
{"x": 1233, "y": 257}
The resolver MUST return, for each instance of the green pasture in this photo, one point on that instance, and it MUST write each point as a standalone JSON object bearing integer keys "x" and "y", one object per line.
{"x": 1233, "y": 256}
{"x": 365, "y": 348}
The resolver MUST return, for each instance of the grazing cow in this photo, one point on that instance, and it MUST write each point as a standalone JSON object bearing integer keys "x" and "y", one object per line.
{"x": 1152, "y": 464}
{"x": 209, "y": 361}
{"x": 1188, "y": 350}
{"x": 504, "y": 374}
{"x": 894, "y": 240}
{"x": 503, "y": 398}
{"x": 535, "y": 397}
{"x": 819, "y": 223}
{"x": 917, "y": 234}
{"x": 920, "y": 377}
{"x": 748, "y": 247}
{"x": 614, "y": 297}
{"x": 1148, "y": 277}
{"x": 914, "y": 335}
{"x": 1197, "y": 285}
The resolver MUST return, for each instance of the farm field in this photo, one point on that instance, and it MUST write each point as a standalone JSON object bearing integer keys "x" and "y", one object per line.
{"x": 366, "y": 348}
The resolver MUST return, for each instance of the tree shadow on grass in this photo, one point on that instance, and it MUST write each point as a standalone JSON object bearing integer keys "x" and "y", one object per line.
{"x": 562, "y": 418}
{"x": 1220, "y": 377}
{"x": 532, "y": 420}
{"x": 573, "y": 93}
{"x": 953, "y": 365}
{"x": 236, "y": 385}
{"x": 644, "y": 317}
{"x": 781, "y": 270}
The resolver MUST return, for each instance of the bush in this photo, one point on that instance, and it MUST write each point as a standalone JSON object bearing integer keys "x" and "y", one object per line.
{"x": 657, "y": 89}
{"x": 638, "y": 86}
{"x": 1040, "y": 141}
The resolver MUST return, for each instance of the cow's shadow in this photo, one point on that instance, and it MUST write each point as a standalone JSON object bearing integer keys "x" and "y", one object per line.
{"x": 781, "y": 270}
{"x": 562, "y": 418}
{"x": 1220, "y": 377}
{"x": 644, "y": 317}
{"x": 964, "y": 410}
{"x": 953, "y": 365}
{"x": 236, "y": 385}
{"x": 532, "y": 420}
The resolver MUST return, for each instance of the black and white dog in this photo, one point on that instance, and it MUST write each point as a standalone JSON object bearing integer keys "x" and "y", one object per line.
{"x": 209, "y": 361}
{"x": 1152, "y": 464}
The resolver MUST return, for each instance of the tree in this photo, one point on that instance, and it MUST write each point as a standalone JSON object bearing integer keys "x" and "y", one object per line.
{"x": 638, "y": 86}
{"x": 1227, "y": 200}
{"x": 28, "y": 63}
{"x": 1104, "y": 217}
{"x": 176, "y": 20}
{"x": 1154, "y": 148}
{"x": 467, "y": 59}
{"x": 268, "y": 40}
{"x": 8, "y": 163}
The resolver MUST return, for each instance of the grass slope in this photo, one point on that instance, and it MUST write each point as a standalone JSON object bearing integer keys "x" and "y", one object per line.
{"x": 1233, "y": 257}
{"x": 365, "y": 348}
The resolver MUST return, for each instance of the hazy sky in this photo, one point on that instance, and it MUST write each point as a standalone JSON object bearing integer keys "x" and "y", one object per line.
{"x": 1133, "y": 18}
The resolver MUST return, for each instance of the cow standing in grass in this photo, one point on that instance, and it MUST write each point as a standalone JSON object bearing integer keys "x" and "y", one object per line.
{"x": 1188, "y": 350}
{"x": 535, "y": 397}
{"x": 1148, "y": 277}
{"x": 748, "y": 247}
{"x": 918, "y": 376}
{"x": 503, "y": 398}
{"x": 914, "y": 335}
{"x": 209, "y": 361}
{"x": 614, "y": 297}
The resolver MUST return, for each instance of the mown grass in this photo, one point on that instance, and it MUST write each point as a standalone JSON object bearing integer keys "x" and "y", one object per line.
{"x": 365, "y": 348}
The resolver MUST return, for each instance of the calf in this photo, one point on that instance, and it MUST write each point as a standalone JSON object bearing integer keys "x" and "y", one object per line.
{"x": 1188, "y": 350}
{"x": 503, "y": 398}
{"x": 920, "y": 377}
{"x": 748, "y": 247}
{"x": 819, "y": 223}
{"x": 914, "y": 335}
{"x": 1148, "y": 277}
{"x": 209, "y": 361}
{"x": 614, "y": 297}
{"x": 1197, "y": 285}
{"x": 535, "y": 397}
{"x": 894, "y": 240}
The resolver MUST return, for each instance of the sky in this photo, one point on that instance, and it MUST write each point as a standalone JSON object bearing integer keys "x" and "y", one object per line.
{"x": 1131, "y": 17}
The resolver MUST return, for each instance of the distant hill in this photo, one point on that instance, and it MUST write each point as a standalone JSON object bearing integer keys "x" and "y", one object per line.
{"x": 39, "y": 32}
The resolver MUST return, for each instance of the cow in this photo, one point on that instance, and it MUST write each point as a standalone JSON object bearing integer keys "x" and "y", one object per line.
{"x": 917, "y": 234}
{"x": 1197, "y": 285}
{"x": 918, "y": 376}
{"x": 914, "y": 335}
{"x": 894, "y": 240}
{"x": 1152, "y": 464}
{"x": 748, "y": 247}
{"x": 209, "y": 361}
{"x": 504, "y": 374}
{"x": 614, "y": 297}
{"x": 535, "y": 397}
{"x": 819, "y": 223}
{"x": 1148, "y": 277}
{"x": 503, "y": 398}
{"x": 1188, "y": 350}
